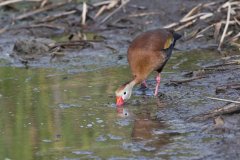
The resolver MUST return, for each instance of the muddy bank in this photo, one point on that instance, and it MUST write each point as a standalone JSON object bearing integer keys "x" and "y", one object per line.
{"x": 34, "y": 35}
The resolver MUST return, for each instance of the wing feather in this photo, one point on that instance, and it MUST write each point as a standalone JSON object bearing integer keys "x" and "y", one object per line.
{"x": 168, "y": 42}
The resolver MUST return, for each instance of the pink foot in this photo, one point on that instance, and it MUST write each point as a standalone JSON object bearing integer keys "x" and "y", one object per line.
{"x": 158, "y": 79}
{"x": 144, "y": 84}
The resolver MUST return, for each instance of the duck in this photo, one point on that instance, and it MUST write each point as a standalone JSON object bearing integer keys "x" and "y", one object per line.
{"x": 148, "y": 52}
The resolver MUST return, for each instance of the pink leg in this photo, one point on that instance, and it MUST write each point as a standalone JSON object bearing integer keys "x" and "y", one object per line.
{"x": 158, "y": 79}
{"x": 144, "y": 84}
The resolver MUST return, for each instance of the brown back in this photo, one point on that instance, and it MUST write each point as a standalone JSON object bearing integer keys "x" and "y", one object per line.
{"x": 146, "y": 53}
{"x": 153, "y": 40}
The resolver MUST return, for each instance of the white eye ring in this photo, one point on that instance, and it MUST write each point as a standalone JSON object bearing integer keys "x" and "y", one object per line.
{"x": 124, "y": 93}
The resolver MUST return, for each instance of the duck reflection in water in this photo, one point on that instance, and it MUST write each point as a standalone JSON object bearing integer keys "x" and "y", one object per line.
{"x": 144, "y": 126}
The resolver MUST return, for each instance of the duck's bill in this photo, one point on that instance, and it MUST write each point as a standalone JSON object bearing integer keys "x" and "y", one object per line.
{"x": 119, "y": 101}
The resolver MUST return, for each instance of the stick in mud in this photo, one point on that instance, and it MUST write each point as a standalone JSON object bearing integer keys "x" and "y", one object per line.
{"x": 230, "y": 108}
{"x": 16, "y": 1}
{"x": 225, "y": 100}
{"x": 186, "y": 80}
{"x": 226, "y": 27}
{"x": 115, "y": 11}
{"x": 31, "y": 13}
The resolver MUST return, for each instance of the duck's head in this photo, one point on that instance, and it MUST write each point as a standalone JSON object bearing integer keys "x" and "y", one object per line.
{"x": 124, "y": 93}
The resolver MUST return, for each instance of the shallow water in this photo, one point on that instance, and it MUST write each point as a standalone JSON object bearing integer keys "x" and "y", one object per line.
{"x": 51, "y": 114}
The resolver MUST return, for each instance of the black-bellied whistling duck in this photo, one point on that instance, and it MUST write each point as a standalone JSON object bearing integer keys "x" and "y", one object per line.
{"x": 148, "y": 52}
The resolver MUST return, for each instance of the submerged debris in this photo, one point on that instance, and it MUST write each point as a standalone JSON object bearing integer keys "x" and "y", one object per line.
{"x": 66, "y": 105}
{"x": 30, "y": 49}
{"x": 218, "y": 121}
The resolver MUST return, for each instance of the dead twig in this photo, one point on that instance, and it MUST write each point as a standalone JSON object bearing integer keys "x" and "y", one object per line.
{"x": 234, "y": 38}
{"x": 211, "y": 70}
{"x": 16, "y": 1}
{"x": 236, "y": 20}
{"x": 111, "y": 4}
{"x": 2, "y": 30}
{"x": 44, "y": 25}
{"x": 226, "y": 109}
{"x": 114, "y": 23}
{"x": 43, "y": 3}
{"x": 31, "y": 13}
{"x": 193, "y": 11}
{"x": 226, "y": 27}
{"x": 225, "y": 100}
{"x": 235, "y": 44}
{"x": 120, "y": 26}
{"x": 223, "y": 88}
{"x": 206, "y": 5}
{"x": 115, "y": 11}
{"x": 101, "y": 3}
{"x": 171, "y": 25}
{"x": 217, "y": 26}
{"x": 222, "y": 64}
{"x": 205, "y": 29}
{"x": 183, "y": 20}
{"x": 185, "y": 25}
{"x": 57, "y": 16}
{"x": 205, "y": 16}
{"x": 187, "y": 20}
{"x": 84, "y": 13}
{"x": 198, "y": 13}
{"x": 144, "y": 14}
{"x": 186, "y": 80}
{"x": 191, "y": 35}
{"x": 51, "y": 26}
{"x": 84, "y": 43}
{"x": 225, "y": 5}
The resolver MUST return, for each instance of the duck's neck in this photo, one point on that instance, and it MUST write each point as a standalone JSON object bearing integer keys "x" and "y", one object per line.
{"x": 132, "y": 83}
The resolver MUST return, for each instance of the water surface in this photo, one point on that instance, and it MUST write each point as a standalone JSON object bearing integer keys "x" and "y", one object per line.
{"x": 48, "y": 113}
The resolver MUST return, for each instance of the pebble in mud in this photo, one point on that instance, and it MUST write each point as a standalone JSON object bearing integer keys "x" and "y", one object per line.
{"x": 114, "y": 137}
{"x": 65, "y": 105}
{"x": 99, "y": 121}
{"x": 218, "y": 121}
{"x": 123, "y": 122}
{"x": 36, "y": 90}
{"x": 101, "y": 138}
{"x": 82, "y": 152}
{"x": 136, "y": 147}
{"x": 89, "y": 125}
{"x": 47, "y": 140}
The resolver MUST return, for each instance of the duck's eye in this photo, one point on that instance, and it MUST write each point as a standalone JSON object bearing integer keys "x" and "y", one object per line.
{"x": 125, "y": 93}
